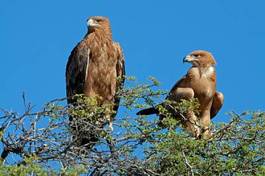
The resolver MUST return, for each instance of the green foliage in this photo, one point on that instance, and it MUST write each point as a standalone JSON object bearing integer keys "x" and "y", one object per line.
{"x": 235, "y": 148}
{"x": 137, "y": 146}
{"x": 29, "y": 167}
{"x": 188, "y": 105}
{"x": 90, "y": 108}
{"x": 73, "y": 171}
{"x": 171, "y": 109}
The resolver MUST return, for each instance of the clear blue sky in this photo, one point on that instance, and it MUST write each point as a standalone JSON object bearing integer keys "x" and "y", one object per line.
{"x": 36, "y": 38}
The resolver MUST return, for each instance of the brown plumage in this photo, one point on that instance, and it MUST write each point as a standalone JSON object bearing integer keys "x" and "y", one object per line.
{"x": 200, "y": 83}
{"x": 95, "y": 66}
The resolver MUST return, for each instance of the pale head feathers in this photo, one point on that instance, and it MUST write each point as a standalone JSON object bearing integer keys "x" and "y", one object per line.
{"x": 200, "y": 58}
{"x": 99, "y": 23}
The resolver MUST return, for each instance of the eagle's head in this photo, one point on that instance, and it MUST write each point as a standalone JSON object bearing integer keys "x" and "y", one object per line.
{"x": 200, "y": 58}
{"x": 97, "y": 22}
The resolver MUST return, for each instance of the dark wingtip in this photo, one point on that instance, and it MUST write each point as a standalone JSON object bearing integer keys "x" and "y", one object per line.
{"x": 140, "y": 112}
{"x": 147, "y": 111}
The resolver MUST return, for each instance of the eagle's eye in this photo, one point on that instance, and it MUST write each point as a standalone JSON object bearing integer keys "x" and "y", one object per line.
{"x": 99, "y": 20}
{"x": 196, "y": 55}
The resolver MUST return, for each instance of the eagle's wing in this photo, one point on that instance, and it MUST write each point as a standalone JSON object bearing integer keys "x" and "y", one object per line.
{"x": 181, "y": 90}
{"x": 178, "y": 92}
{"x": 120, "y": 70}
{"x": 76, "y": 71}
{"x": 218, "y": 101}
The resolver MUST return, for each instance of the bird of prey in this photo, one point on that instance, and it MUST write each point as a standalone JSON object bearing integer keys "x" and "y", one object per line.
{"x": 200, "y": 83}
{"x": 96, "y": 68}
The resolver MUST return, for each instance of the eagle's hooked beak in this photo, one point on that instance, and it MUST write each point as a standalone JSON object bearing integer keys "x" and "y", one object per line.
{"x": 92, "y": 23}
{"x": 188, "y": 58}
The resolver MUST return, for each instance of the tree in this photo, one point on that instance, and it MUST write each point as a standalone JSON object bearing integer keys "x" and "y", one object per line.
{"x": 41, "y": 142}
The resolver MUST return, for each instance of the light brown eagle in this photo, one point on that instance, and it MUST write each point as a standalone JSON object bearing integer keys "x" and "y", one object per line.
{"x": 95, "y": 66}
{"x": 200, "y": 83}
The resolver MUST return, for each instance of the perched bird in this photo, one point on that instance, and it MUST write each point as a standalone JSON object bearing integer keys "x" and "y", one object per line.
{"x": 96, "y": 68}
{"x": 200, "y": 83}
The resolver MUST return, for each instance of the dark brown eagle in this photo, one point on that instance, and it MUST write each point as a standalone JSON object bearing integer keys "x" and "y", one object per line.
{"x": 200, "y": 83}
{"x": 96, "y": 68}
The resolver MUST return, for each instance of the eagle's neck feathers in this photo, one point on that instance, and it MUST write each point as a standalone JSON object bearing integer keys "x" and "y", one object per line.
{"x": 207, "y": 71}
{"x": 202, "y": 73}
{"x": 102, "y": 32}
